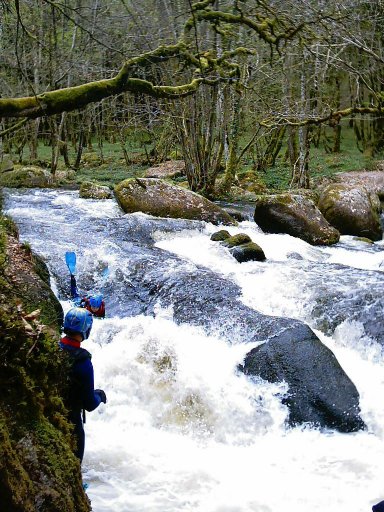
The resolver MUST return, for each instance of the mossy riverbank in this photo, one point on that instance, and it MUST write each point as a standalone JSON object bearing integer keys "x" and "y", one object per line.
{"x": 38, "y": 471}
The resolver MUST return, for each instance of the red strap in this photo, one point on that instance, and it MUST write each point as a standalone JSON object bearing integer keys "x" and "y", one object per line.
{"x": 70, "y": 341}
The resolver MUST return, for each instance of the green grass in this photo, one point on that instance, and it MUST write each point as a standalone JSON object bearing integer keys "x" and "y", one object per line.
{"x": 322, "y": 164}
{"x": 109, "y": 168}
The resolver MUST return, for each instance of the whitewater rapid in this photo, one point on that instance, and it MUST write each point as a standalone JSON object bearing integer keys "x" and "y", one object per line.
{"x": 183, "y": 430}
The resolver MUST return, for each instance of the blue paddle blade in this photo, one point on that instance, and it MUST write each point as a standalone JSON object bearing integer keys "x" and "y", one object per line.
{"x": 105, "y": 272}
{"x": 70, "y": 260}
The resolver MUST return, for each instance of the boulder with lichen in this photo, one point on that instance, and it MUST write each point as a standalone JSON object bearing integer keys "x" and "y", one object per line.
{"x": 295, "y": 215}
{"x": 161, "y": 199}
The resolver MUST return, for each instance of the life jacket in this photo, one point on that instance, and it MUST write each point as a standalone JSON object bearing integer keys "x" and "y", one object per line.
{"x": 75, "y": 354}
{"x": 100, "y": 313}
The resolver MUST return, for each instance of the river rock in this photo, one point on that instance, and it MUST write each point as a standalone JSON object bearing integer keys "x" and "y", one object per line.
{"x": 233, "y": 241}
{"x": 319, "y": 391}
{"x": 248, "y": 252}
{"x": 89, "y": 190}
{"x": 219, "y": 236}
{"x": 161, "y": 199}
{"x": 373, "y": 180}
{"x": 352, "y": 210}
{"x": 28, "y": 176}
{"x": 6, "y": 164}
{"x": 295, "y": 215}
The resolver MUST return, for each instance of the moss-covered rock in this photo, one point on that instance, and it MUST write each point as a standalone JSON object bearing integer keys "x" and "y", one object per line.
{"x": 160, "y": 199}
{"x": 240, "y": 238}
{"x": 6, "y": 164}
{"x": 170, "y": 169}
{"x": 89, "y": 190}
{"x": 219, "y": 236}
{"x": 241, "y": 246}
{"x": 295, "y": 215}
{"x": 30, "y": 176}
{"x": 352, "y": 210}
{"x": 38, "y": 470}
{"x": 363, "y": 239}
{"x": 248, "y": 252}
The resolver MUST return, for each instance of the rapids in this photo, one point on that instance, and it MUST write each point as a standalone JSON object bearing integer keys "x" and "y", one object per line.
{"x": 183, "y": 430}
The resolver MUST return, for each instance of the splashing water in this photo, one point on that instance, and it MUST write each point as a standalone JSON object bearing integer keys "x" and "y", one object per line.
{"x": 183, "y": 430}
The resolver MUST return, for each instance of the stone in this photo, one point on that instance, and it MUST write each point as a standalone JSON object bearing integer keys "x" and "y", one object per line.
{"x": 26, "y": 176}
{"x": 248, "y": 252}
{"x": 161, "y": 199}
{"x": 295, "y": 215}
{"x": 170, "y": 169}
{"x": 353, "y": 210}
{"x": 240, "y": 238}
{"x": 319, "y": 391}
{"x": 219, "y": 236}
{"x": 89, "y": 190}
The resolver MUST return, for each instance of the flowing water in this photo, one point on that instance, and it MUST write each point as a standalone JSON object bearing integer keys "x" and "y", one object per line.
{"x": 183, "y": 430}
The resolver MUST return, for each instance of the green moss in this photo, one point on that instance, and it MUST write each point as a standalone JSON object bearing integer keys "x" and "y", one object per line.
{"x": 25, "y": 177}
{"x": 38, "y": 471}
{"x": 221, "y": 235}
{"x": 239, "y": 239}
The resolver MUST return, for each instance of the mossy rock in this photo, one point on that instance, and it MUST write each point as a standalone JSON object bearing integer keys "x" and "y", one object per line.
{"x": 28, "y": 177}
{"x": 252, "y": 182}
{"x": 352, "y": 210}
{"x": 219, "y": 236}
{"x": 363, "y": 239}
{"x": 295, "y": 215}
{"x": 89, "y": 190}
{"x": 38, "y": 470}
{"x": 169, "y": 169}
{"x": 248, "y": 252}
{"x": 6, "y": 165}
{"x": 91, "y": 159}
{"x": 161, "y": 199}
{"x": 239, "y": 239}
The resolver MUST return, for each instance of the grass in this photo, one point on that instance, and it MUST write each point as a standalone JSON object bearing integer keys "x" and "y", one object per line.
{"x": 108, "y": 166}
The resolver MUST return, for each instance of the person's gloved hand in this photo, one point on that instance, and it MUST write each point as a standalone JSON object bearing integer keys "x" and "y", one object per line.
{"x": 102, "y": 395}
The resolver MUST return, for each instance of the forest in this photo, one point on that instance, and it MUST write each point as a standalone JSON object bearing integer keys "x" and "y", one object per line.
{"x": 232, "y": 87}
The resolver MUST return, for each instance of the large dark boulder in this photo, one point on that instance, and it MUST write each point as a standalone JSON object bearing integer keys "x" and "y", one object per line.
{"x": 319, "y": 390}
{"x": 353, "y": 210}
{"x": 295, "y": 215}
{"x": 161, "y": 199}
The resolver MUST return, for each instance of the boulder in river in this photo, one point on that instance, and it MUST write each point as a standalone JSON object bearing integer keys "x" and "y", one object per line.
{"x": 353, "y": 210}
{"x": 319, "y": 391}
{"x": 219, "y": 236}
{"x": 161, "y": 199}
{"x": 295, "y": 215}
{"x": 241, "y": 246}
{"x": 89, "y": 190}
{"x": 248, "y": 252}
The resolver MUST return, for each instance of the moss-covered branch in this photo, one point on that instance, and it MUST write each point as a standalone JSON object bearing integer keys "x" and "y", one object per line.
{"x": 71, "y": 98}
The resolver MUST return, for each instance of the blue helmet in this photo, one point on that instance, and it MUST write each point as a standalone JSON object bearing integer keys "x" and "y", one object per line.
{"x": 79, "y": 320}
{"x": 95, "y": 300}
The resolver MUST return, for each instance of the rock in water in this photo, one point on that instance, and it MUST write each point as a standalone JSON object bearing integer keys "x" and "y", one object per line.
{"x": 319, "y": 392}
{"x": 161, "y": 199}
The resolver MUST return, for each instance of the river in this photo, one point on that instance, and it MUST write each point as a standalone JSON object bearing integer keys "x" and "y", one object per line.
{"x": 183, "y": 430}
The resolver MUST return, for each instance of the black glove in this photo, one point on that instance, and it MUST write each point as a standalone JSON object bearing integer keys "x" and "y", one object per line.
{"x": 102, "y": 395}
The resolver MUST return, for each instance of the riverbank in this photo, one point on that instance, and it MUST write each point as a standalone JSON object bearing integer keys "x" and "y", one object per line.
{"x": 38, "y": 471}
